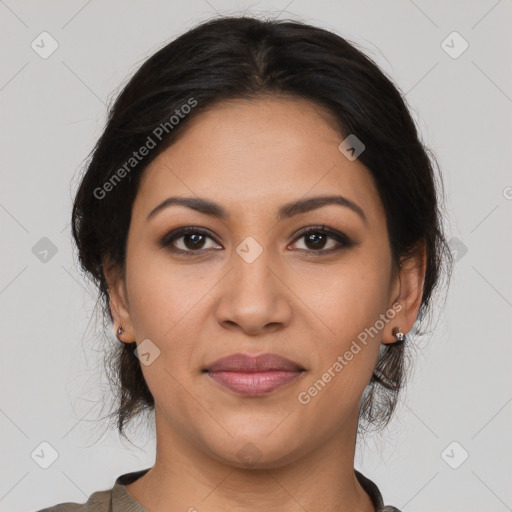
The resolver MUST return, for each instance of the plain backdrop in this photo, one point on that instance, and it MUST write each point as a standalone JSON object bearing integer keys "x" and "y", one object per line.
{"x": 448, "y": 447}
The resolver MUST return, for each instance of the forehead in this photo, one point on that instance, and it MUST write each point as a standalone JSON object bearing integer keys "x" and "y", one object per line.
{"x": 261, "y": 152}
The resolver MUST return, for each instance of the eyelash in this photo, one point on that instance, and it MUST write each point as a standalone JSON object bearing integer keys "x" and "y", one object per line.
{"x": 341, "y": 238}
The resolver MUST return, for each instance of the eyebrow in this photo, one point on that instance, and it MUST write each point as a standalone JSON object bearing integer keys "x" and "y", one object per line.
{"x": 286, "y": 211}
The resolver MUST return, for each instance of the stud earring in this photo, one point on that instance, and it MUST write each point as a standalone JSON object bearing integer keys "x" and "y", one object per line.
{"x": 399, "y": 335}
{"x": 119, "y": 332}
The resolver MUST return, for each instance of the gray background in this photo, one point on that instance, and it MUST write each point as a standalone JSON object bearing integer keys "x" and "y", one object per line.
{"x": 52, "y": 384}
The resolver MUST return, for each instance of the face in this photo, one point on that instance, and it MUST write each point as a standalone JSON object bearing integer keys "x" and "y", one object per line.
{"x": 302, "y": 282}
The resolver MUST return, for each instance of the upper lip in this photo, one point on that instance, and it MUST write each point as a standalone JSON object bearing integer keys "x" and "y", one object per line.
{"x": 253, "y": 364}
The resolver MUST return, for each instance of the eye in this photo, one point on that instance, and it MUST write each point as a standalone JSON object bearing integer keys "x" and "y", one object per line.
{"x": 188, "y": 241}
{"x": 323, "y": 240}
{"x": 317, "y": 239}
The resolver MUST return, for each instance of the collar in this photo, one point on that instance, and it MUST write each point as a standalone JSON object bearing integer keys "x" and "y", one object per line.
{"x": 124, "y": 502}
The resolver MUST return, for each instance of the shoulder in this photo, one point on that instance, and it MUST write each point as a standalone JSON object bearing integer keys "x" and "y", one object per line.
{"x": 100, "y": 501}
{"x": 375, "y": 495}
{"x": 115, "y": 499}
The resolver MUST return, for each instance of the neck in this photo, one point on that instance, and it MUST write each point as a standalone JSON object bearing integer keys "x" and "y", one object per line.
{"x": 190, "y": 479}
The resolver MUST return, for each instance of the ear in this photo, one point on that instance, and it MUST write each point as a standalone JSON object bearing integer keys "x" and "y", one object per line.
{"x": 118, "y": 300}
{"x": 407, "y": 290}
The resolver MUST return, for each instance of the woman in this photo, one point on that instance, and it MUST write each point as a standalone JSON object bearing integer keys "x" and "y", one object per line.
{"x": 262, "y": 222}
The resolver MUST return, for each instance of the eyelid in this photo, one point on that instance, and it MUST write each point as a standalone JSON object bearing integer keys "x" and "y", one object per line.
{"x": 344, "y": 242}
{"x": 320, "y": 227}
{"x": 177, "y": 233}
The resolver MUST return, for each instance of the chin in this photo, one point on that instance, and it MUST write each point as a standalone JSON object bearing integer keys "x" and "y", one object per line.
{"x": 256, "y": 451}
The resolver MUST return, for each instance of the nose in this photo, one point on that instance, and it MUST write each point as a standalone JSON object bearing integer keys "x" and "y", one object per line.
{"x": 254, "y": 297}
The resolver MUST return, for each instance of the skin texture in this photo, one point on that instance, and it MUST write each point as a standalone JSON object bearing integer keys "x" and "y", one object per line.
{"x": 251, "y": 157}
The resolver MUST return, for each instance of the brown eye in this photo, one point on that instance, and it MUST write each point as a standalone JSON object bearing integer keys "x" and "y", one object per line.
{"x": 188, "y": 241}
{"x": 323, "y": 240}
{"x": 316, "y": 240}
{"x": 195, "y": 241}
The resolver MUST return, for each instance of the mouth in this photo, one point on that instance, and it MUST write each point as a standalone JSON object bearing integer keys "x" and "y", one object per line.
{"x": 253, "y": 376}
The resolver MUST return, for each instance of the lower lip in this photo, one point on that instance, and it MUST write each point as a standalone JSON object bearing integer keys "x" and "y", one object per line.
{"x": 254, "y": 383}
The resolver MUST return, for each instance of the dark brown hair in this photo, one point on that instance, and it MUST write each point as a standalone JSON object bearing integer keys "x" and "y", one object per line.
{"x": 240, "y": 57}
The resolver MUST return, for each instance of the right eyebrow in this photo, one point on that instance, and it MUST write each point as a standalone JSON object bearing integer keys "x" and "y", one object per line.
{"x": 195, "y": 203}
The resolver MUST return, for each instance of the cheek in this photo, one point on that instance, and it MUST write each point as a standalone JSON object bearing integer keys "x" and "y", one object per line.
{"x": 169, "y": 306}
{"x": 166, "y": 309}
{"x": 348, "y": 353}
{"x": 162, "y": 295}
{"x": 347, "y": 297}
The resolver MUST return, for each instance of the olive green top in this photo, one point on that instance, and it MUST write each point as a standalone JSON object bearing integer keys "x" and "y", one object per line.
{"x": 117, "y": 499}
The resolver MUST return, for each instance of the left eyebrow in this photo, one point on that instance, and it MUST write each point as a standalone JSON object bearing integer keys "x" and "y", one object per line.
{"x": 305, "y": 205}
{"x": 286, "y": 211}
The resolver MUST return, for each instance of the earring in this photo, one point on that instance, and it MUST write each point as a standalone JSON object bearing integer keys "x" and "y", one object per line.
{"x": 119, "y": 332}
{"x": 400, "y": 336}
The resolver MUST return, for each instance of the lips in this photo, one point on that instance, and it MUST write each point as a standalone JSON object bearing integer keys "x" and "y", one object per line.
{"x": 249, "y": 375}
{"x": 253, "y": 364}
